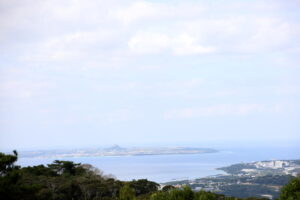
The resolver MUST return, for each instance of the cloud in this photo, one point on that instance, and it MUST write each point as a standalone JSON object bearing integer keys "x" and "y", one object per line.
{"x": 73, "y": 46}
{"x": 266, "y": 34}
{"x": 244, "y": 33}
{"x": 96, "y": 30}
{"x": 121, "y": 115}
{"x": 137, "y": 11}
{"x": 222, "y": 110}
{"x": 24, "y": 89}
{"x": 107, "y": 117}
{"x": 94, "y": 63}
{"x": 144, "y": 10}
{"x": 153, "y": 88}
{"x": 186, "y": 28}
{"x": 186, "y": 45}
{"x": 149, "y": 43}
{"x": 121, "y": 87}
{"x": 154, "y": 43}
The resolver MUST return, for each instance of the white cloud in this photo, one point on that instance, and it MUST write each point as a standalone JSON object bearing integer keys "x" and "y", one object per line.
{"x": 266, "y": 34}
{"x": 154, "y": 88}
{"x": 121, "y": 87}
{"x": 78, "y": 45}
{"x": 23, "y": 89}
{"x": 151, "y": 43}
{"x": 222, "y": 110}
{"x": 136, "y": 11}
{"x": 186, "y": 29}
{"x": 186, "y": 45}
{"x": 143, "y": 10}
{"x": 111, "y": 58}
{"x": 243, "y": 33}
{"x": 73, "y": 29}
{"x": 286, "y": 90}
{"x": 121, "y": 115}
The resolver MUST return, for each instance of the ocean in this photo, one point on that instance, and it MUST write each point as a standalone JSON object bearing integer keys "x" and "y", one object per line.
{"x": 163, "y": 168}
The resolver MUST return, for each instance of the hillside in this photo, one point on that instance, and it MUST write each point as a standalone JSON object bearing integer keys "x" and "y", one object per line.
{"x": 255, "y": 179}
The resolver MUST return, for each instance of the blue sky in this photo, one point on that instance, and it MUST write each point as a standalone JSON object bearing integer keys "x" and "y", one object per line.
{"x": 94, "y": 73}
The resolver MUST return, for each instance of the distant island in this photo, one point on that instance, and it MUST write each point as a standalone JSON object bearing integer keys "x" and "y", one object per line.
{"x": 116, "y": 150}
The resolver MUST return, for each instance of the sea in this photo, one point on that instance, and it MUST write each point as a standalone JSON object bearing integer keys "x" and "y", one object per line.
{"x": 164, "y": 168}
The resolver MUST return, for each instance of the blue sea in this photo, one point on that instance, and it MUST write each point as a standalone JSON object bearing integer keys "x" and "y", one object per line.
{"x": 163, "y": 168}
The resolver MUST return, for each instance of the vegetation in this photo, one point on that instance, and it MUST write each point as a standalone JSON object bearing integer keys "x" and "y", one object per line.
{"x": 66, "y": 180}
{"x": 291, "y": 191}
{"x": 127, "y": 193}
{"x": 242, "y": 191}
{"x": 237, "y": 168}
{"x": 239, "y": 186}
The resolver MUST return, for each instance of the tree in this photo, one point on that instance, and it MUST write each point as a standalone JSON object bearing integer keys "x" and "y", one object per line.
{"x": 168, "y": 187}
{"x": 203, "y": 195}
{"x": 10, "y": 186}
{"x": 7, "y": 162}
{"x": 183, "y": 194}
{"x": 143, "y": 186}
{"x": 64, "y": 167}
{"x": 127, "y": 193}
{"x": 291, "y": 191}
{"x": 160, "y": 196}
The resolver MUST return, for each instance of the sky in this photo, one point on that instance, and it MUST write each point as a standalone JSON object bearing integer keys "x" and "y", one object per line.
{"x": 89, "y": 73}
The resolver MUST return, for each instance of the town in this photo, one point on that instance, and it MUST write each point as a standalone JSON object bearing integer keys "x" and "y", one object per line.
{"x": 258, "y": 179}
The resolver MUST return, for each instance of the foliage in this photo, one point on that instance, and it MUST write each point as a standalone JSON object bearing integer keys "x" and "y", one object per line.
{"x": 272, "y": 179}
{"x": 127, "y": 193}
{"x": 187, "y": 194}
{"x": 7, "y": 162}
{"x": 237, "y": 168}
{"x": 65, "y": 167}
{"x": 291, "y": 191}
{"x": 167, "y": 188}
{"x": 243, "y": 191}
{"x": 143, "y": 186}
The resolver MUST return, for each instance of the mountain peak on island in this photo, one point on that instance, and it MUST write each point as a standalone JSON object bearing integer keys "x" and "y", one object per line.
{"x": 115, "y": 147}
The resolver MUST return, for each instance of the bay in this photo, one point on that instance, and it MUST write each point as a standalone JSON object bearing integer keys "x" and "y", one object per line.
{"x": 163, "y": 168}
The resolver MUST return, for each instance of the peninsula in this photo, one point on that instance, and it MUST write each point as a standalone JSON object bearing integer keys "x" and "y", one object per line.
{"x": 116, "y": 150}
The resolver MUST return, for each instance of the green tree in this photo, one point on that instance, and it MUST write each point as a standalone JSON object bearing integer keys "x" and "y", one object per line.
{"x": 64, "y": 167}
{"x": 160, "y": 196}
{"x": 291, "y": 191}
{"x": 181, "y": 194}
{"x": 143, "y": 186}
{"x": 167, "y": 188}
{"x": 11, "y": 187}
{"x": 203, "y": 195}
{"x": 127, "y": 193}
{"x": 7, "y": 162}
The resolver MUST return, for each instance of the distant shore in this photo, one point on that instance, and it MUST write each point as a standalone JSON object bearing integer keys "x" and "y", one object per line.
{"x": 115, "y": 151}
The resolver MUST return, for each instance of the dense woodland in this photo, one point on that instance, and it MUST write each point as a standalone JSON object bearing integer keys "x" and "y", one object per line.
{"x": 66, "y": 180}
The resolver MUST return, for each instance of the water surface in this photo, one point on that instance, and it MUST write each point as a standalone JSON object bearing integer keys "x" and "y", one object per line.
{"x": 163, "y": 168}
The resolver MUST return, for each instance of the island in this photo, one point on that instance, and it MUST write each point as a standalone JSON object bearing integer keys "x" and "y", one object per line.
{"x": 116, "y": 150}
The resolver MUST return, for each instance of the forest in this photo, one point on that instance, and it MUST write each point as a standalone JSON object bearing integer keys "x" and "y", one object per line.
{"x": 66, "y": 180}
